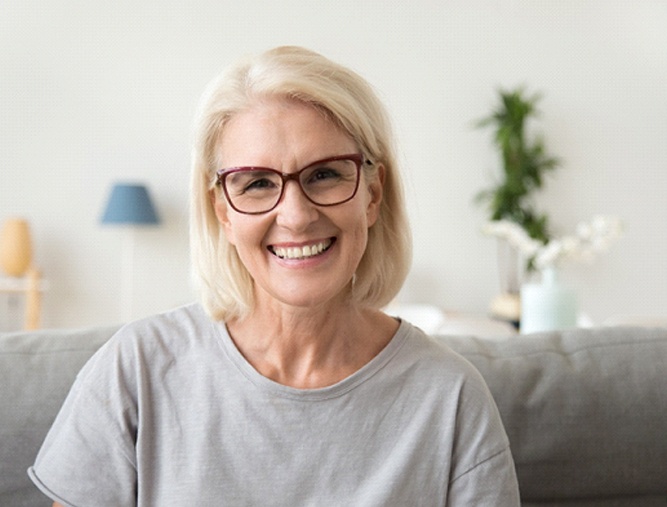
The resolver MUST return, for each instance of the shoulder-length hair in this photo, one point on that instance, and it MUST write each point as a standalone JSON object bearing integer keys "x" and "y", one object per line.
{"x": 224, "y": 284}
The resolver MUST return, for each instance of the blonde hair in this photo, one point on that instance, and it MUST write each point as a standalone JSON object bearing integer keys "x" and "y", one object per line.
{"x": 224, "y": 284}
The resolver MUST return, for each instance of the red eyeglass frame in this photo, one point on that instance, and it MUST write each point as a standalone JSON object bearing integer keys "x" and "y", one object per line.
{"x": 221, "y": 175}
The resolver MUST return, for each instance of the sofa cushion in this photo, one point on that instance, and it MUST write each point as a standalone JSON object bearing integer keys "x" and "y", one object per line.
{"x": 585, "y": 411}
{"x": 36, "y": 372}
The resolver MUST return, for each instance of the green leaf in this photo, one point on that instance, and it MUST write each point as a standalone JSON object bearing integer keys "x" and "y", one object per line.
{"x": 525, "y": 163}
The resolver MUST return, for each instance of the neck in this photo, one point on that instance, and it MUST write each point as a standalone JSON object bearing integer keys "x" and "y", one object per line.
{"x": 307, "y": 348}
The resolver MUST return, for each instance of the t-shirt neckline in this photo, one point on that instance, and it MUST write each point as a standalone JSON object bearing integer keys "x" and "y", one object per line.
{"x": 259, "y": 381}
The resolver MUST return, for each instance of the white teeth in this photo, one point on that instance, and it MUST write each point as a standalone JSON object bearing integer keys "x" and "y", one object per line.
{"x": 301, "y": 252}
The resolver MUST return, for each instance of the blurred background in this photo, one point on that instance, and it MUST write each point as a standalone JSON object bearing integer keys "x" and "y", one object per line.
{"x": 93, "y": 93}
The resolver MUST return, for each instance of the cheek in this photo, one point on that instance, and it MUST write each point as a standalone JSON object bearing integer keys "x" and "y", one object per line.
{"x": 245, "y": 232}
{"x": 222, "y": 213}
{"x": 359, "y": 227}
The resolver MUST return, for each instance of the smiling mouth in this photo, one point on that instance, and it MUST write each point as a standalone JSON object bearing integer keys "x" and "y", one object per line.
{"x": 302, "y": 252}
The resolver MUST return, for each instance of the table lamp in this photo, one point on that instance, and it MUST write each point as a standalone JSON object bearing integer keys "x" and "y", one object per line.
{"x": 130, "y": 206}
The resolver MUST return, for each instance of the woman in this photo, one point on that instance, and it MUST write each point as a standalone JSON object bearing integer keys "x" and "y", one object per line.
{"x": 287, "y": 385}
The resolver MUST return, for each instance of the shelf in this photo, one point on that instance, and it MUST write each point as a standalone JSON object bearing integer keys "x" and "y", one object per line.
{"x": 18, "y": 285}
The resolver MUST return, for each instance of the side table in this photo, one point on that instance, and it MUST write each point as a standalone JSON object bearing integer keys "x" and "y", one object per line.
{"x": 31, "y": 286}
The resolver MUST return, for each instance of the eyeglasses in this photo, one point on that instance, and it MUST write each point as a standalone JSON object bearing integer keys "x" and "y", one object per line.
{"x": 327, "y": 182}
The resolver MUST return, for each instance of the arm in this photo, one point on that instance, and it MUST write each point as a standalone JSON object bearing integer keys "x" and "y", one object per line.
{"x": 86, "y": 432}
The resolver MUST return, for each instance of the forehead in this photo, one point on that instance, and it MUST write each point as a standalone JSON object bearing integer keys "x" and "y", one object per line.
{"x": 279, "y": 132}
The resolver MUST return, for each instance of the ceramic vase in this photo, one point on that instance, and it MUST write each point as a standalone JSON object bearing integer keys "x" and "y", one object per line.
{"x": 547, "y": 305}
{"x": 15, "y": 247}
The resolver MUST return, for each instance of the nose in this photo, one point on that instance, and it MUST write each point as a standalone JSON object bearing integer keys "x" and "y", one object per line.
{"x": 295, "y": 211}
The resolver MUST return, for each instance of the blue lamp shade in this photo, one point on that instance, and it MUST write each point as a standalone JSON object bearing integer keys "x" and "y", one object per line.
{"x": 130, "y": 204}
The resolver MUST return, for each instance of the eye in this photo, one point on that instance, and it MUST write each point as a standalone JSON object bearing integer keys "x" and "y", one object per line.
{"x": 330, "y": 174}
{"x": 323, "y": 174}
{"x": 243, "y": 182}
{"x": 259, "y": 184}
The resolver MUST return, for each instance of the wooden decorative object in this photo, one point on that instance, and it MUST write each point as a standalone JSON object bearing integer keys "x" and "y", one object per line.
{"x": 33, "y": 301}
{"x": 15, "y": 247}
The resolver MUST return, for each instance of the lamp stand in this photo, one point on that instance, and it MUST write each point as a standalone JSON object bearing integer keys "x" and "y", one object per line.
{"x": 127, "y": 280}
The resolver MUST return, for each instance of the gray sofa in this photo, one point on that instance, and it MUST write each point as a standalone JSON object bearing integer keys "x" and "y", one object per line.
{"x": 585, "y": 410}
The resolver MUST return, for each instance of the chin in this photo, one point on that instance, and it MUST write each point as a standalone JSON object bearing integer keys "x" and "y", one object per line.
{"x": 310, "y": 295}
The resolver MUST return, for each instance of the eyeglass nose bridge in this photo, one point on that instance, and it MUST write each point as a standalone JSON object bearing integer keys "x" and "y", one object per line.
{"x": 296, "y": 177}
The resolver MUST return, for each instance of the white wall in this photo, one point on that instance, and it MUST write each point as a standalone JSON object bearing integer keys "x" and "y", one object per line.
{"x": 92, "y": 92}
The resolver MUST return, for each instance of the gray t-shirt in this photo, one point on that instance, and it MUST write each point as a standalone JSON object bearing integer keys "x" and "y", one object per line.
{"x": 169, "y": 413}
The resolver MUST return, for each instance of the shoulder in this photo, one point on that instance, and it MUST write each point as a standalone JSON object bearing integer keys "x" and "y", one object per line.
{"x": 454, "y": 385}
{"x": 154, "y": 341}
{"x": 435, "y": 358}
{"x": 442, "y": 377}
{"x": 185, "y": 320}
{"x": 178, "y": 327}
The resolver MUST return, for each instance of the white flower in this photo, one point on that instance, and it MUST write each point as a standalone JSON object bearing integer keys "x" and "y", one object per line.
{"x": 590, "y": 239}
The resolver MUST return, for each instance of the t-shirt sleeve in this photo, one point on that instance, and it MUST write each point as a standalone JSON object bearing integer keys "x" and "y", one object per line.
{"x": 483, "y": 472}
{"x": 490, "y": 483}
{"x": 89, "y": 451}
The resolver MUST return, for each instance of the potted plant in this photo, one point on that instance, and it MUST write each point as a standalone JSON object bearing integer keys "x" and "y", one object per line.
{"x": 524, "y": 166}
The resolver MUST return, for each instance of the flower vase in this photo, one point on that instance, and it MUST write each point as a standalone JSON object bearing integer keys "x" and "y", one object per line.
{"x": 547, "y": 305}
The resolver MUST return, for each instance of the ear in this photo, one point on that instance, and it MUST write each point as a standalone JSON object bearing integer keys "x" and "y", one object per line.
{"x": 221, "y": 210}
{"x": 375, "y": 191}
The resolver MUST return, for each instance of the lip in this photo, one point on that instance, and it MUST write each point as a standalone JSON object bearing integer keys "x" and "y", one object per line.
{"x": 301, "y": 251}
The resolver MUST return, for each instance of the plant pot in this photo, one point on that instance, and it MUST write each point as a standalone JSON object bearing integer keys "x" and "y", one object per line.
{"x": 547, "y": 305}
